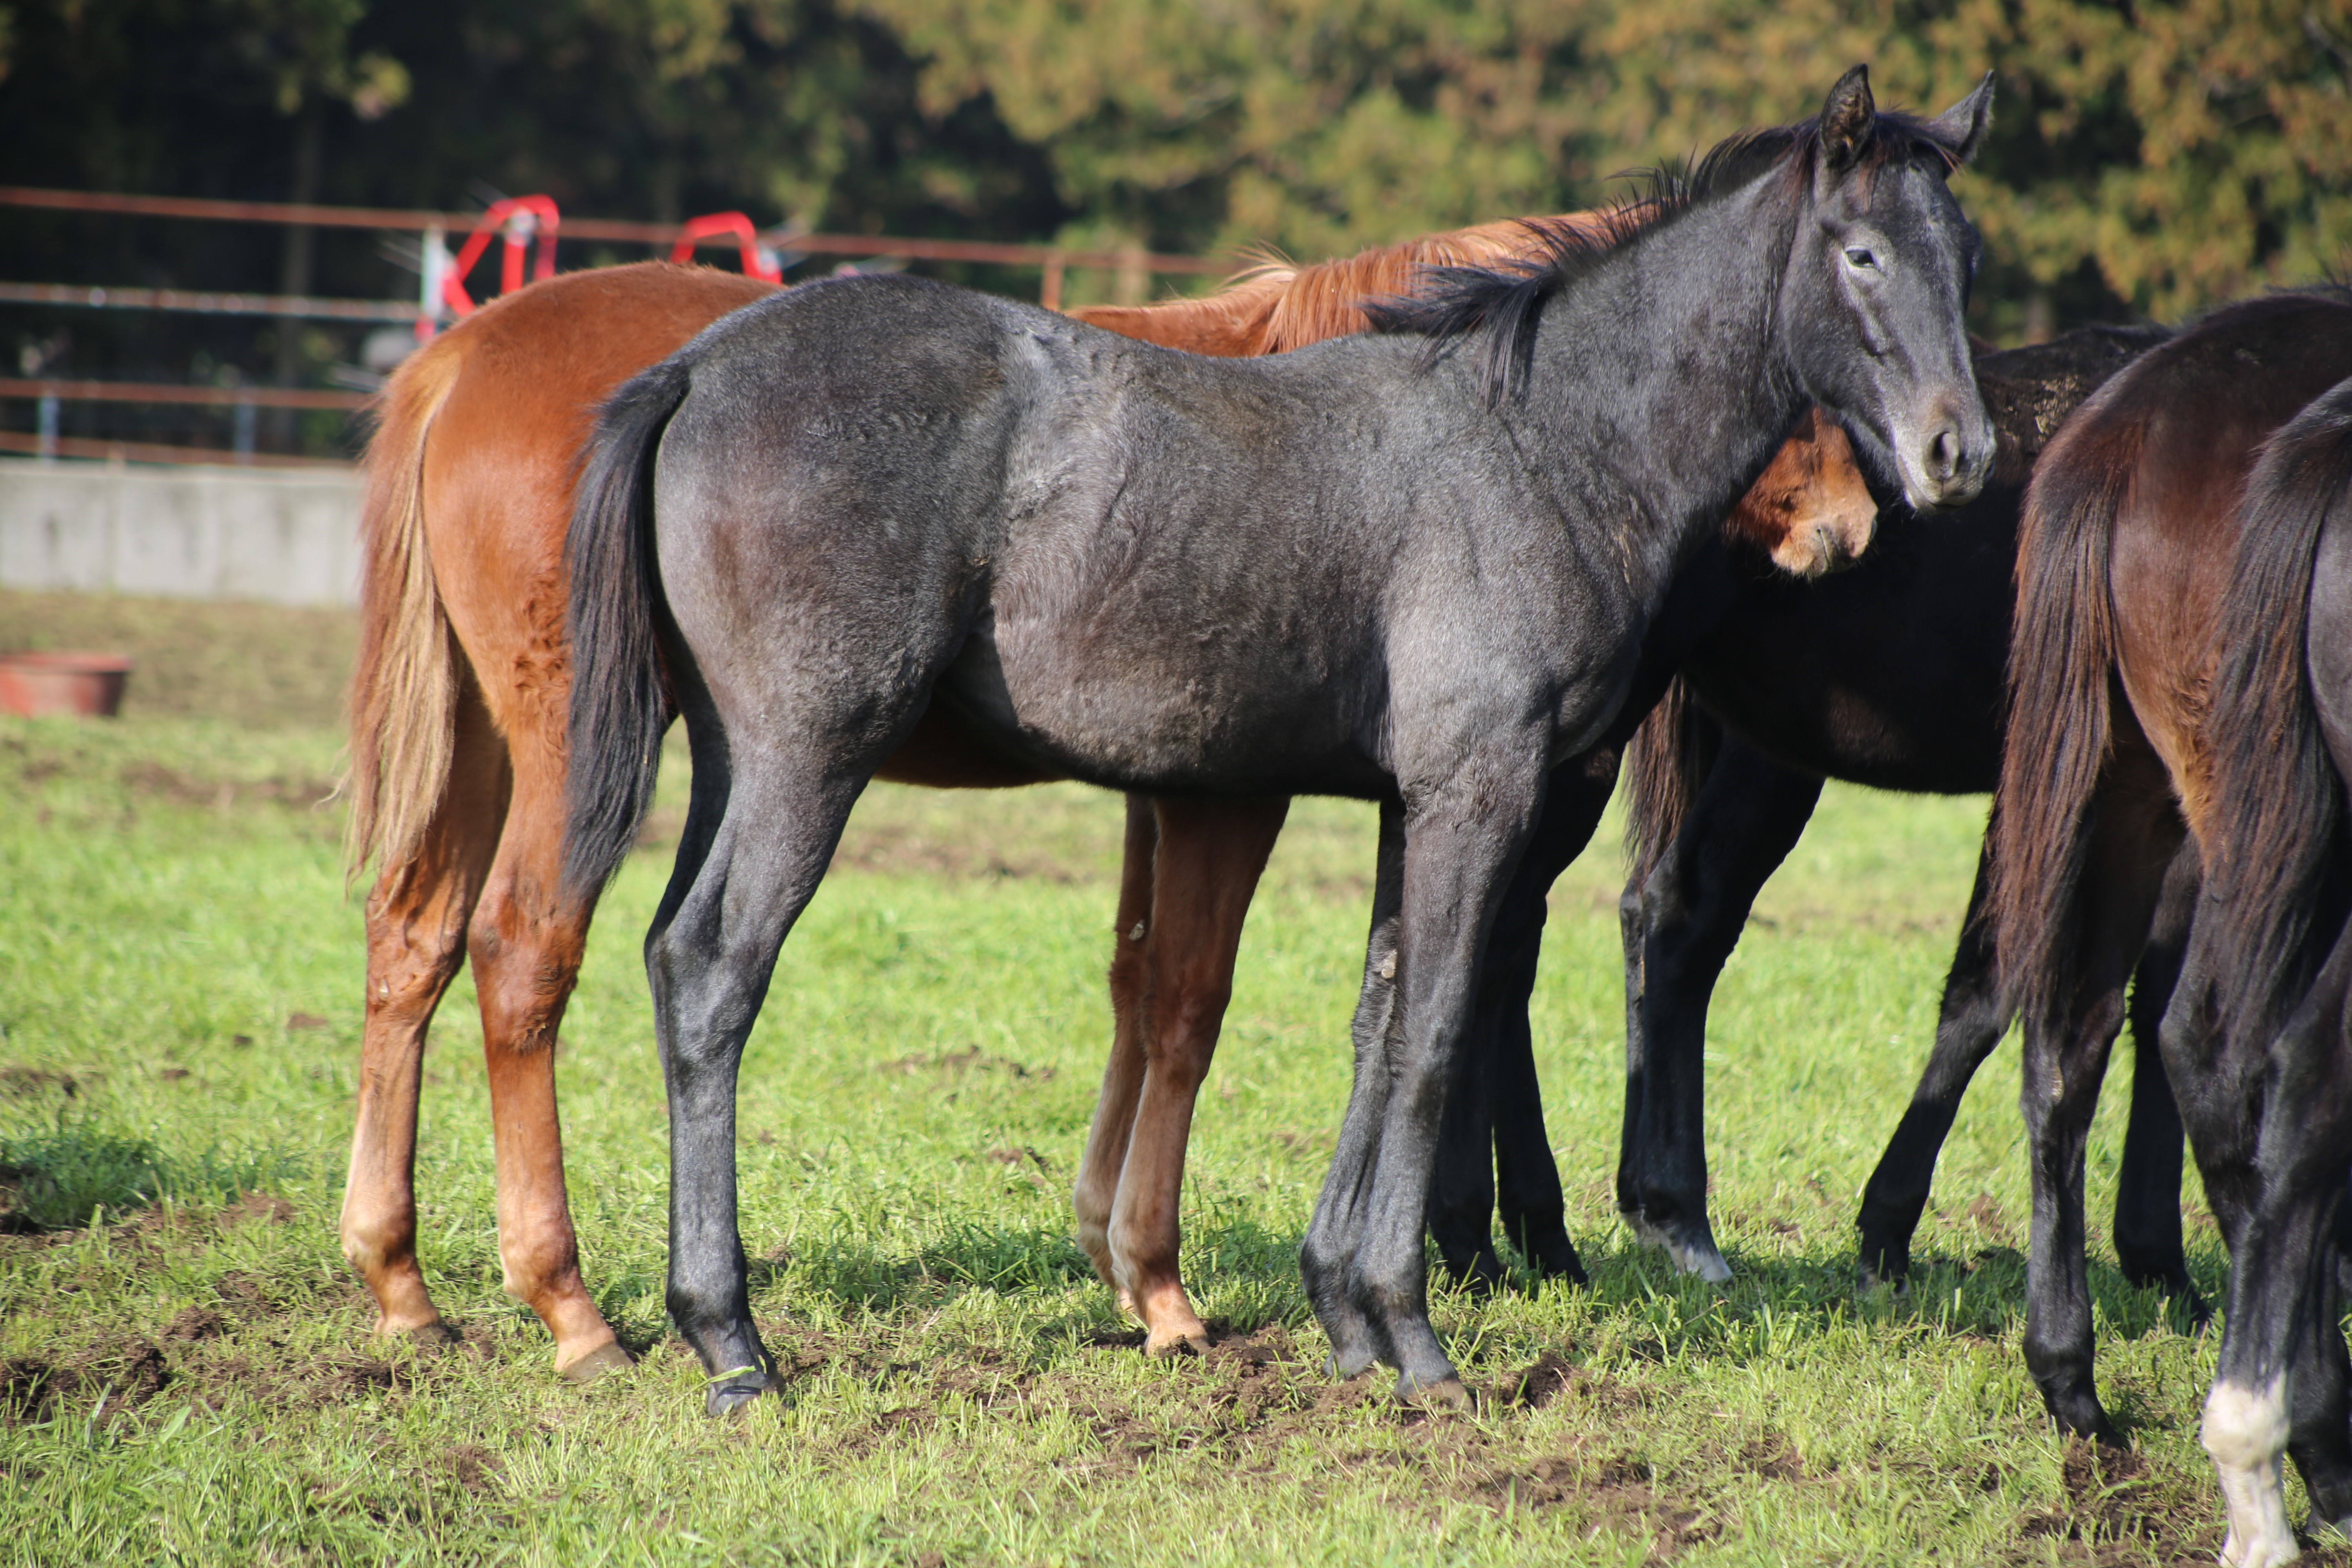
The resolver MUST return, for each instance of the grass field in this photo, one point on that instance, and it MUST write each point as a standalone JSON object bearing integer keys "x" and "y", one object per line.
{"x": 186, "y": 1372}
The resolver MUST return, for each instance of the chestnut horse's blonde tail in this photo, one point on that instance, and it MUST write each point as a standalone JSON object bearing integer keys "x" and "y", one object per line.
{"x": 404, "y": 694}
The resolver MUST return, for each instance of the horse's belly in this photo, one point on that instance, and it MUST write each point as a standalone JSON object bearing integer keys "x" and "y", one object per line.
{"x": 947, "y": 752}
{"x": 1161, "y": 715}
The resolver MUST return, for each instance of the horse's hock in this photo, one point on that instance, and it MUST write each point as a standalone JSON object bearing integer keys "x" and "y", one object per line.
{"x": 281, "y": 536}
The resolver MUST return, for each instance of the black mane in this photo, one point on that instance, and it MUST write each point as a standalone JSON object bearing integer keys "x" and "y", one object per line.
{"x": 1499, "y": 307}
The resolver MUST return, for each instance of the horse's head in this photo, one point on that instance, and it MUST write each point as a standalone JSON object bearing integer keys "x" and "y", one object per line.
{"x": 1877, "y": 281}
{"x": 1810, "y": 510}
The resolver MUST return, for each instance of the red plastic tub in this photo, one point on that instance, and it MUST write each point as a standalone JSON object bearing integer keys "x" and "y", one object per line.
{"x": 88, "y": 685}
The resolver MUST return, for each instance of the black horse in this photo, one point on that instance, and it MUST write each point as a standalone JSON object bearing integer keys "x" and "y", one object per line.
{"x": 2258, "y": 1032}
{"x": 1888, "y": 674}
{"x": 1413, "y": 567}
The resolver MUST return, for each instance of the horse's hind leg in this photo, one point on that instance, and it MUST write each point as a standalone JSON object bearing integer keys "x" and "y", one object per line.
{"x": 1098, "y": 1185}
{"x": 525, "y": 942}
{"x": 2134, "y": 834}
{"x": 2148, "y": 1186}
{"x": 417, "y": 919}
{"x": 1208, "y": 860}
{"x": 1968, "y": 1027}
{"x": 2282, "y": 1383}
{"x": 759, "y": 832}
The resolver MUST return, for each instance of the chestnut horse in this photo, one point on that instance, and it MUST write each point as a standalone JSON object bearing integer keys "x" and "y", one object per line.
{"x": 2124, "y": 572}
{"x": 457, "y": 765}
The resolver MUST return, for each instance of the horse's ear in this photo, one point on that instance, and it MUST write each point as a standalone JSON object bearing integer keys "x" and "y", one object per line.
{"x": 1848, "y": 117}
{"x": 1961, "y": 127}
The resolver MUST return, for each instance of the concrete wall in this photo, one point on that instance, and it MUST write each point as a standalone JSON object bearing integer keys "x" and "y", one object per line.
{"x": 285, "y": 536}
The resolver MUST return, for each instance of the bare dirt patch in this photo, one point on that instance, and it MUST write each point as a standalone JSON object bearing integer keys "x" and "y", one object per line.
{"x": 195, "y": 1325}
{"x": 255, "y": 1206}
{"x": 15, "y": 1078}
{"x": 475, "y": 1467}
{"x": 2118, "y": 1510}
{"x": 104, "y": 1378}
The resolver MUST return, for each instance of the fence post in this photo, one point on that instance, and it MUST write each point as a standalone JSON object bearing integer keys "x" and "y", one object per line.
{"x": 432, "y": 262}
{"x": 1134, "y": 285}
{"x": 1050, "y": 295}
{"x": 245, "y": 424}
{"x": 48, "y": 427}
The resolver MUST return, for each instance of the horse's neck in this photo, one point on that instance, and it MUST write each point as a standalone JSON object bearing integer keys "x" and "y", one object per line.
{"x": 1663, "y": 364}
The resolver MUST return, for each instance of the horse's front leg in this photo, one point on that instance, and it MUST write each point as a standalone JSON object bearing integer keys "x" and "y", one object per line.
{"x": 1338, "y": 1221}
{"x": 1463, "y": 837}
{"x": 1968, "y": 1025}
{"x": 1680, "y": 926}
{"x": 1500, "y": 1102}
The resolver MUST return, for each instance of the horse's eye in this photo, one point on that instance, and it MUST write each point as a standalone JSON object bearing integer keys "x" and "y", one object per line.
{"x": 1860, "y": 260}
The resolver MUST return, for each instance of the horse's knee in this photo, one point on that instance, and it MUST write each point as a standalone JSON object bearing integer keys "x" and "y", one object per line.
{"x": 411, "y": 961}
{"x": 1183, "y": 1037}
{"x": 1131, "y": 970}
{"x": 376, "y": 1238}
{"x": 524, "y": 970}
{"x": 536, "y": 1258}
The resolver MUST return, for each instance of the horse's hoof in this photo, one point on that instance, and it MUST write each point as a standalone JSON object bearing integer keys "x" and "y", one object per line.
{"x": 2186, "y": 1297}
{"x": 1160, "y": 1344}
{"x": 606, "y": 1357}
{"x": 1560, "y": 1266}
{"x": 434, "y": 1337}
{"x": 1868, "y": 1277}
{"x": 1690, "y": 1247}
{"x": 731, "y": 1394}
{"x": 1446, "y": 1393}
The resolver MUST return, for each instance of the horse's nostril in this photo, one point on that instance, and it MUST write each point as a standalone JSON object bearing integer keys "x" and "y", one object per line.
{"x": 1944, "y": 453}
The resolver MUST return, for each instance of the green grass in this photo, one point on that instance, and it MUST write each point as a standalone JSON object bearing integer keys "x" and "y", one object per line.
{"x": 186, "y": 1374}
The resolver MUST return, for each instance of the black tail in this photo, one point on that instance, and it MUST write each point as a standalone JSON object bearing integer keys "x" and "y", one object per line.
{"x": 2062, "y": 657}
{"x": 2275, "y": 838}
{"x": 619, "y": 706}
{"x": 1667, "y": 761}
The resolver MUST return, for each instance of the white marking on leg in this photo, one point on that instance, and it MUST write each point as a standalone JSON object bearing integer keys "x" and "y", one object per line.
{"x": 1690, "y": 1258}
{"x": 2245, "y": 1432}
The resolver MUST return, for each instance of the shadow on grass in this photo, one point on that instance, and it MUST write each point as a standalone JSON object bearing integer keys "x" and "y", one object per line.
{"x": 75, "y": 1172}
{"x": 1772, "y": 1305}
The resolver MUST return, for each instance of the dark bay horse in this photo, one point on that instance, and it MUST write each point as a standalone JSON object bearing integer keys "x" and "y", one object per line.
{"x": 461, "y": 691}
{"x": 2124, "y": 568}
{"x": 1889, "y": 675}
{"x": 1414, "y": 567}
{"x": 2260, "y": 1030}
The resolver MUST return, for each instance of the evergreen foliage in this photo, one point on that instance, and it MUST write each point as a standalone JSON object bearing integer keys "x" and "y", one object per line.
{"x": 2149, "y": 157}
